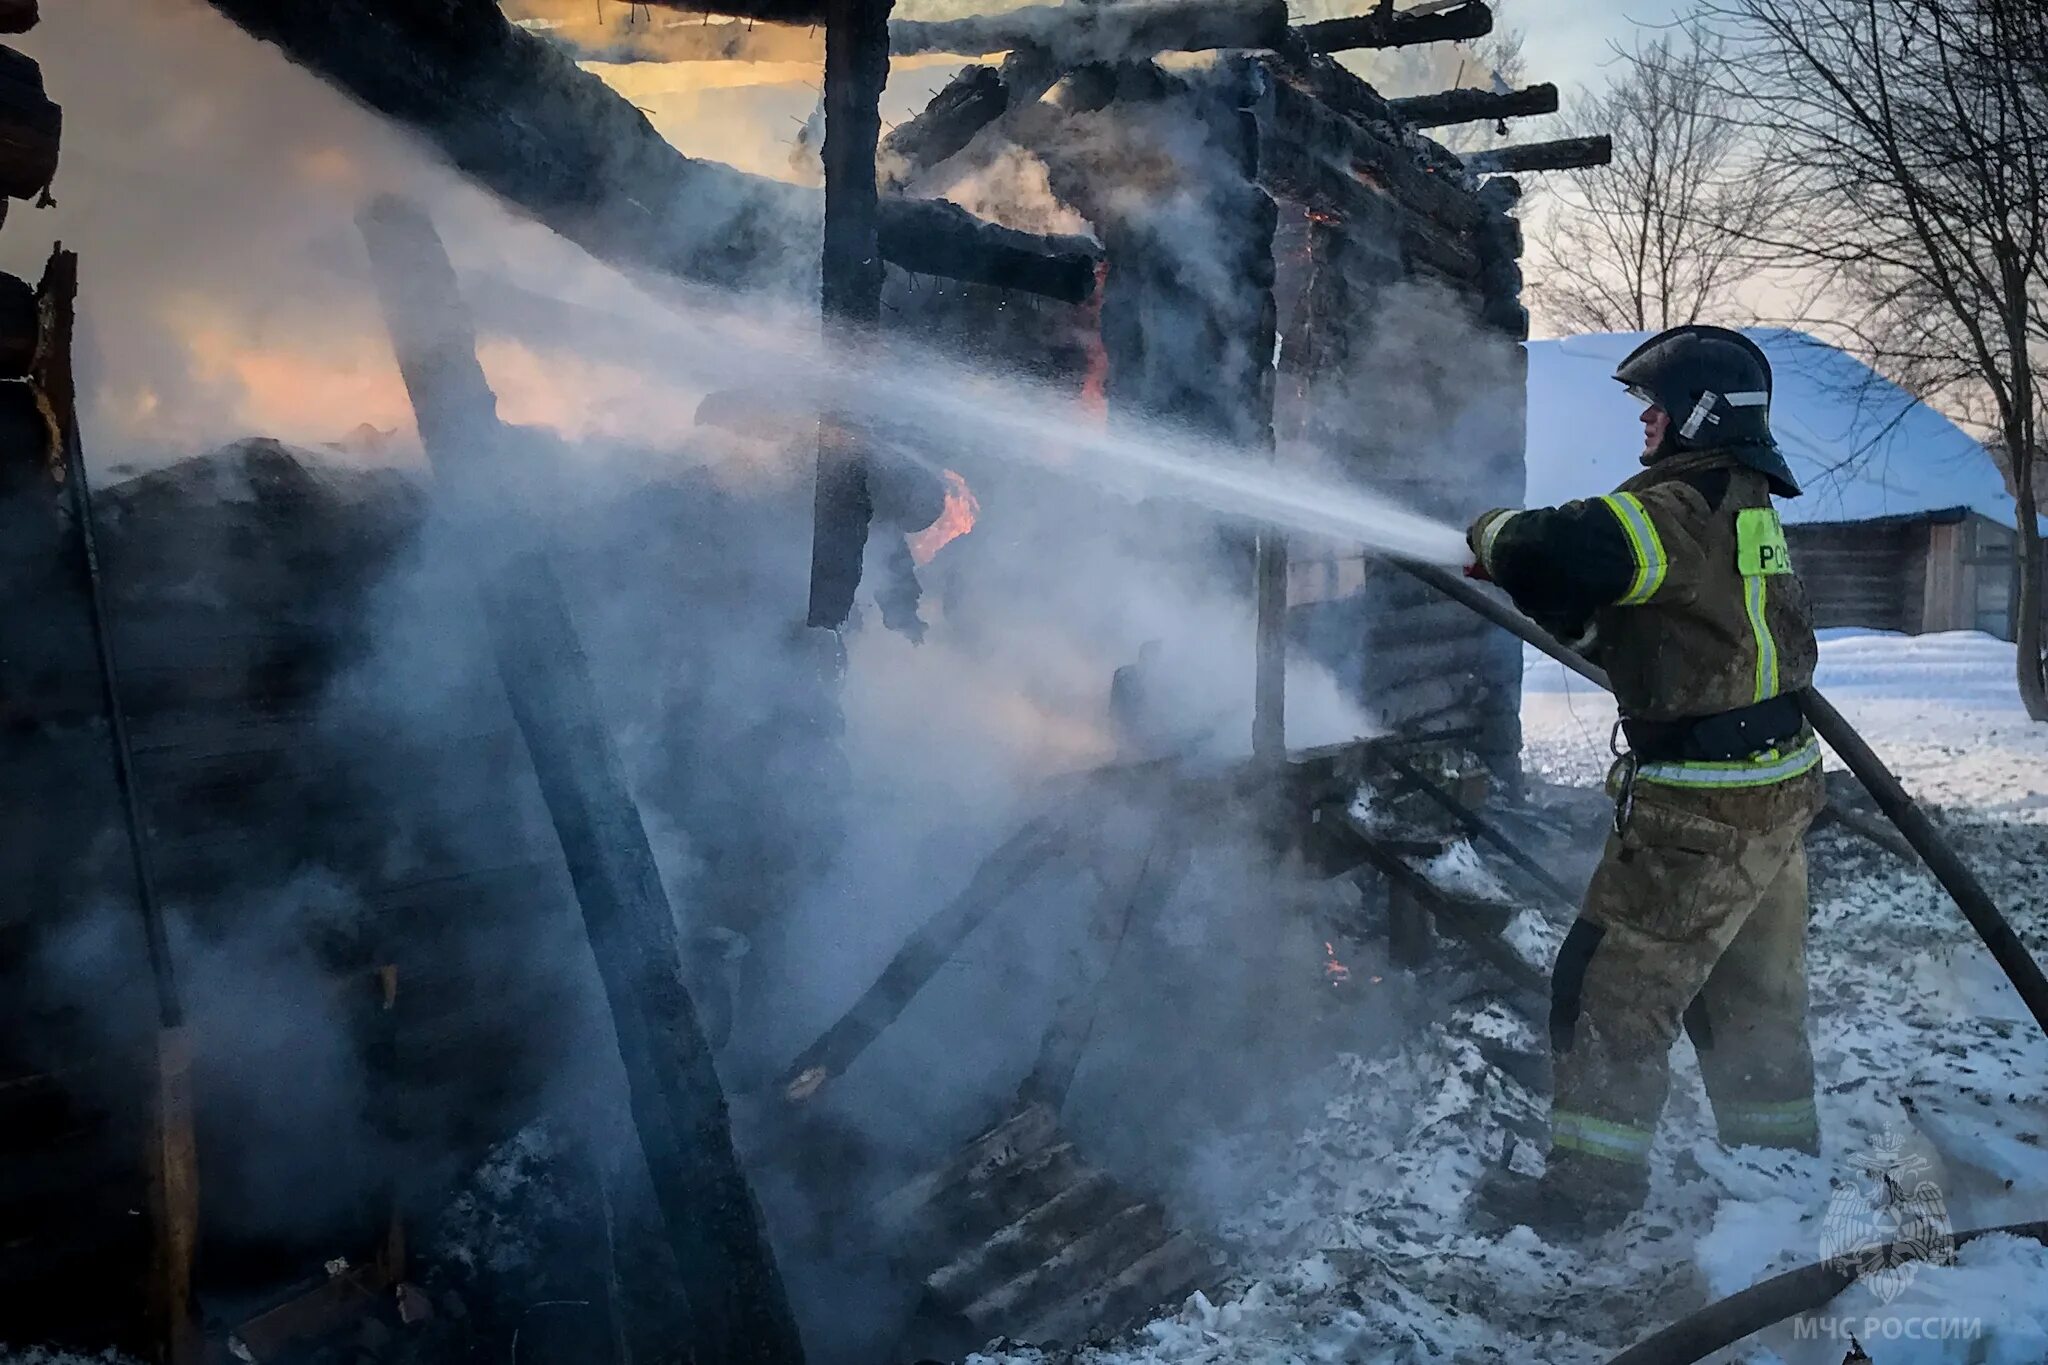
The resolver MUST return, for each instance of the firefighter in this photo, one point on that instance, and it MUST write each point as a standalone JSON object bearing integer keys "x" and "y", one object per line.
{"x": 1678, "y": 584}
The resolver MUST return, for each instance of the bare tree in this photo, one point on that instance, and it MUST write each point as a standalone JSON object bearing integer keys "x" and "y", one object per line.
{"x": 1659, "y": 237}
{"x": 1908, "y": 142}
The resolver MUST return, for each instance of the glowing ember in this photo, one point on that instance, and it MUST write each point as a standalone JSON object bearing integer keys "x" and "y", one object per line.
{"x": 1335, "y": 972}
{"x": 962, "y": 507}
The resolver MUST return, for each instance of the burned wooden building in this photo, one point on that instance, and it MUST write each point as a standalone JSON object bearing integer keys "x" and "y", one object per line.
{"x": 1288, "y": 266}
{"x": 1266, "y": 252}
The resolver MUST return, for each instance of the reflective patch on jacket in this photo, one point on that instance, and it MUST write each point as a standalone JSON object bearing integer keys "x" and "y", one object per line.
{"x": 1653, "y": 565}
{"x": 1759, "y": 770}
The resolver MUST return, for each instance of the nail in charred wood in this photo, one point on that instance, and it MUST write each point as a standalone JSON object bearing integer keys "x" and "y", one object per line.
{"x": 1385, "y": 27}
{"x": 30, "y": 126}
{"x": 1562, "y": 155}
{"x": 1471, "y": 106}
{"x": 1075, "y": 33}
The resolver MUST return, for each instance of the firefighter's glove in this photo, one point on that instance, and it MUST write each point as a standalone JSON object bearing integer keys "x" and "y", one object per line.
{"x": 1480, "y": 537}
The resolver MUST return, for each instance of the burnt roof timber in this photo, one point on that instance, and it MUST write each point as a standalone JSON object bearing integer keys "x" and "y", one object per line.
{"x": 1472, "y": 106}
{"x": 976, "y": 97}
{"x": 774, "y": 11}
{"x": 1069, "y": 34}
{"x": 514, "y": 113}
{"x": 1077, "y": 32}
{"x": 1564, "y": 154}
{"x": 1410, "y": 175}
{"x": 1387, "y": 27}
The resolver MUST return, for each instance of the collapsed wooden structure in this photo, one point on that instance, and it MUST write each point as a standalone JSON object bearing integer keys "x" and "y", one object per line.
{"x": 1316, "y": 204}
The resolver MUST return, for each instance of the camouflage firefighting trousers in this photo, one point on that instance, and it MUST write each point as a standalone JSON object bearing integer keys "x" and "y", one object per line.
{"x": 1697, "y": 913}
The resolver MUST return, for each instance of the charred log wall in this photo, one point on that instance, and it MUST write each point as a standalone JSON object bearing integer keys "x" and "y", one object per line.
{"x": 1401, "y": 361}
{"x": 1294, "y": 203}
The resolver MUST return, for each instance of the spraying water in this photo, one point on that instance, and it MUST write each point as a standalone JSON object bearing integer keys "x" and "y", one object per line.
{"x": 938, "y": 411}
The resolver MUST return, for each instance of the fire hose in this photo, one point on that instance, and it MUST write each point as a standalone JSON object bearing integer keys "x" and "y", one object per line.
{"x": 1949, "y": 869}
{"x": 1727, "y": 1321}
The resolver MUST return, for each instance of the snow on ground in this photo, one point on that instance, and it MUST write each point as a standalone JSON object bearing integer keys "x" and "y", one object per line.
{"x": 1930, "y": 1068}
{"x": 1943, "y": 711}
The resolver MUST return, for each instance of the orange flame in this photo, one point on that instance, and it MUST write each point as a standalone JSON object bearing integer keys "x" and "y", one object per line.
{"x": 1335, "y": 972}
{"x": 962, "y": 507}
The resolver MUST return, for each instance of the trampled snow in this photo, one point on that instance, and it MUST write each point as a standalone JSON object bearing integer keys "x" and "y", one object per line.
{"x": 1860, "y": 446}
{"x": 1360, "y": 1248}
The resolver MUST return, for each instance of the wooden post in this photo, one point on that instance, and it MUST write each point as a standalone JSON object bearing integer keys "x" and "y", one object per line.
{"x": 172, "y": 1156}
{"x": 737, "y": 1301}
{"x": 1269, "y": 682}
{"x": 856, "y": 68}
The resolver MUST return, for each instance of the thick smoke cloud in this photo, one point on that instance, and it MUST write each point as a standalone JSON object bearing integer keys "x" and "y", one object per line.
{"x": 212, "y": 196}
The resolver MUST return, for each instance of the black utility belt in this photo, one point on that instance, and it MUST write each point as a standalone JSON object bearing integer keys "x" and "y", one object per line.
{"x": 1719, "y": 738}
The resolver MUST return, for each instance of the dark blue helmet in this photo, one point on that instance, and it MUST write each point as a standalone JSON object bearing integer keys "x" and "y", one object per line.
{"x": 1716, "y": 386}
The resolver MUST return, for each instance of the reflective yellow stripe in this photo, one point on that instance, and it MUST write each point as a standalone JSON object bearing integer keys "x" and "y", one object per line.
{"x": 1755, "y": 597}
{"x": 1648, "y": 550}
{"x": 1773, "y": 765}
{"x": 1788, "y": 1118}
{"x": 1599, "y": 1137}
{"x": 1486, "y": 537}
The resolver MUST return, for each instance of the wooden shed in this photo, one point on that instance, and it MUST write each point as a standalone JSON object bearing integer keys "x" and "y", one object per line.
{"x": 1948, "y": 569}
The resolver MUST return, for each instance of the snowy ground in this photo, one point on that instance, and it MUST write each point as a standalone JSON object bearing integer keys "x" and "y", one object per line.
{"x": 1360, "y": 1249}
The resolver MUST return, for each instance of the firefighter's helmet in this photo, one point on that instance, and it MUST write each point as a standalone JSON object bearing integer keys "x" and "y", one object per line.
{"x": 1716, "y": 386}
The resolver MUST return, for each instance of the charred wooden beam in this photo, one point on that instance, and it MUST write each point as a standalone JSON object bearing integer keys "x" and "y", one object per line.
{"x": 1376, "y": 160}
{"x": 969, "y": 102}
{"x": 17, "y": 16}
{"x": 774, "y": 11}
{"x": 918, "y": 960}
{"x": 1080, "y": 32}
{"x": 1133, "y": 888}
{"x": 737, "y": 1302}
{"x": 1472, "y": 106}
{"x": 1565, "y": 154}
{"x": 945, "y": 239}
{"x": 516, "y": 114}
{"x": 29, "y": 128}
{"x": 856, "y": 69}
{"x": 1388, "y": 27}
{"x": 1071, "y": 33}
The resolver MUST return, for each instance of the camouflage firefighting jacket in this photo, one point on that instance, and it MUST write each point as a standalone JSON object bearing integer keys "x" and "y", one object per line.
{"x": 1680, "y": 585}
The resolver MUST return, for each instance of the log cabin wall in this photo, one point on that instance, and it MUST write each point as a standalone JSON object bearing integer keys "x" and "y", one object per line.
{"x": 1287, "y": 265}
{"x": 1400, "y": 363}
